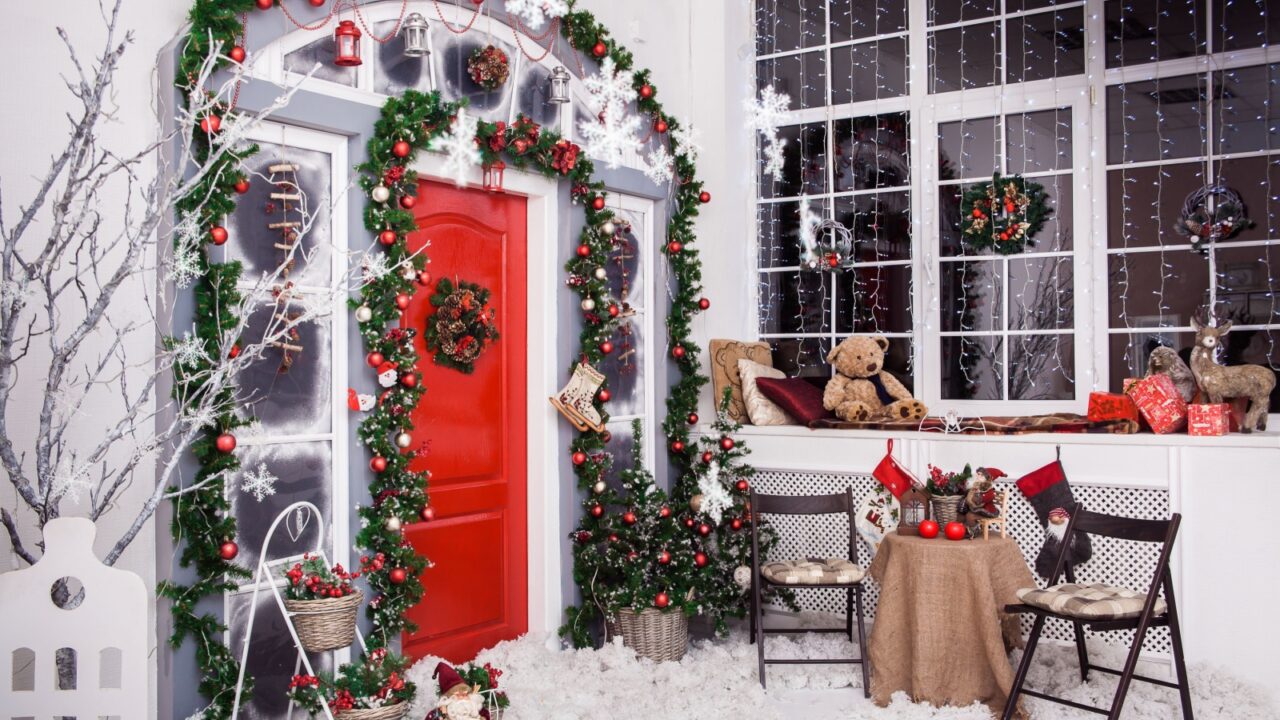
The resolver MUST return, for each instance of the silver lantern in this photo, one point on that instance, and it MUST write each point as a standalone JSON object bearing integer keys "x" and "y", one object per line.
{"x": 560, "y": 85}
{"x": 414, "y": 31}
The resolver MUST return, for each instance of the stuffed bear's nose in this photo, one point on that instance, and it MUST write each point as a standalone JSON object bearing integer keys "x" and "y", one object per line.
{"x": 871, "y": 367}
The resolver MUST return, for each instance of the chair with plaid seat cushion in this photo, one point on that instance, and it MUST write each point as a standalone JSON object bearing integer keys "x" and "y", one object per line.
{"x": 1106, "y": 608}
{"x": 808, "y": 573}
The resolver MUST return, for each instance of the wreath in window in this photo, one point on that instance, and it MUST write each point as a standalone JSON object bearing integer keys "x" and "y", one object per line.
{"x": 1211, "y": 214}
{"x": 1003, "y": 215}
{"x": 489, "y": 67}
{"x": 462, "y": 326}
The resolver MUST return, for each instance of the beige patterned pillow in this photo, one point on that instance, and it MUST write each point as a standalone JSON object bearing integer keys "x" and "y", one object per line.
{"x": 725, "y": 355}
{"x": 761, "y": 409}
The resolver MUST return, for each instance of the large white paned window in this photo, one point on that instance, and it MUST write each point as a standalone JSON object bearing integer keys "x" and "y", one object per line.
{"x": 1118, "y": 109}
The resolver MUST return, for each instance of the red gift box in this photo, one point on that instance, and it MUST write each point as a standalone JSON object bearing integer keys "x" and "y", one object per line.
{"x": 1208, "y": 420}
{"x": 1128, "y": 383}
{"x": 1161, "y": 404}
{"x": 1109, "y": 407}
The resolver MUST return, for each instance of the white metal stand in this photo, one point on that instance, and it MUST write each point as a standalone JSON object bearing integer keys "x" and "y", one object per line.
{"x": 267, "y": 571}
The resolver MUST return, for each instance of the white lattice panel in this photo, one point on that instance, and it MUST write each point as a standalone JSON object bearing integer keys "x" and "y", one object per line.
{"x": 1114, "y": 561}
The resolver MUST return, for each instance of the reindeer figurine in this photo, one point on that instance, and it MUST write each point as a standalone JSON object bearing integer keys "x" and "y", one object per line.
{"x": 1218, "y": 382}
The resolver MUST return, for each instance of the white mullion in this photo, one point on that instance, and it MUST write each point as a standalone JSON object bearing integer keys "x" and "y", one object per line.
{"x": 1232, "y": 60}
{"x": 835, "y": 45}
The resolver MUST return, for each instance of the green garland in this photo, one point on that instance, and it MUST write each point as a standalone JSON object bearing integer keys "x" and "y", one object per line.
{"x": 462, "y": 326}
{"x": 1003, "y": 215}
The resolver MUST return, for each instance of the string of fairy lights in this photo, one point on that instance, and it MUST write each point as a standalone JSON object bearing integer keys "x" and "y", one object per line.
{"x": 1006, "y": 336}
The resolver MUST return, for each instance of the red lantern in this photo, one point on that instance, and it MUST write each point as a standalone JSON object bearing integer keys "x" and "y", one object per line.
{"x": 346, "y": 38}
{"x": 493, "y": 173}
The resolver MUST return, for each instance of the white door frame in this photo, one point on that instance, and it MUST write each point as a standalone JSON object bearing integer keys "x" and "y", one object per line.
{"x": 542, "y": 485}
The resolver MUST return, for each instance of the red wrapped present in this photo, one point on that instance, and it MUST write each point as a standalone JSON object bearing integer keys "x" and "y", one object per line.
{"x": 1128, "y": 383}
{"x": 1109, "y": 407}
{"x": 1208, "y": 420}
{"x": 1161, "y": 404}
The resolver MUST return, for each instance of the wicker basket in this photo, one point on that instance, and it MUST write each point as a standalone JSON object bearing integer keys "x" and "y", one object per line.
{"x": 328, "y": 624}
{"x": 389, "y": 712}
{"x": 946, "y": 508}
{"x": 654, "y": 634}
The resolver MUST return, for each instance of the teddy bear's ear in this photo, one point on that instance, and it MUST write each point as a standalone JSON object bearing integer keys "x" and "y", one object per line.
{"x": 882, "y": 341}
{"x": 835, "y": 353}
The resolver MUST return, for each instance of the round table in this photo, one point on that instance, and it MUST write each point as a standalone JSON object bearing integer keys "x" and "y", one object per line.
{"x": 940, "y": 633}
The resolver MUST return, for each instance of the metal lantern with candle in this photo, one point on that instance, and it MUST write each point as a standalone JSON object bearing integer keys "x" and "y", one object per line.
{"x": 493, "y": 173}
{"x": 414, "y": 32}
{"x": 560, "y": 85}
{"x": 346, "y": 38}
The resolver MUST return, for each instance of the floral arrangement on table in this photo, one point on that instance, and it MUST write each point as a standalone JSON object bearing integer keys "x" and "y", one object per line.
{"x": 489, "y": 67}
{"x": 377, "y": 683}
{"x": 946, "y": 491}
{"x": 481, "y": 681}
{"x": 311, "y": 580}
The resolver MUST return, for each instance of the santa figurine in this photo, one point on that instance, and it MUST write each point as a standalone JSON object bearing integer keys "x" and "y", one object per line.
{"x": 359, "y": 402}
{"x": 458, "y": 700}
{"x": 980, "y": 498}
{"x": 1055, "y": 531}
{"x": 388, "y": 374}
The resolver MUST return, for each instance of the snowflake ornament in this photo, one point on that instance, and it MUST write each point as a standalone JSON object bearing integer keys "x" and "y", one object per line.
{"x": 659, "y": 166}
{"x": 459, "y": 147}
{"x": 715, "y": 498}
{"x": 809, "y": 224}
{"x": 72, "y": 481}
{"x": 375, "y": 266}
{"x": 617, "y": 131}
{"x": 685, "y": 138}
{"x": 259, "y": 483}
{"x": 535, "y": 13}
{"x": 189, "y": 351}
{"x": 773, "y": 159}
{"x": 764, "y": 114}
{"x": 184, "y": 265}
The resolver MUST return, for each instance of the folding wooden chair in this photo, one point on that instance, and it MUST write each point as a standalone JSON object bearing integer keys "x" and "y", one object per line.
{"x": 807, "y": 573}
{"x": 1105, "y": 608}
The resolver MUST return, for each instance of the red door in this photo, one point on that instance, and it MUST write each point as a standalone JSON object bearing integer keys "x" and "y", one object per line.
{"x": 476, "y": 594}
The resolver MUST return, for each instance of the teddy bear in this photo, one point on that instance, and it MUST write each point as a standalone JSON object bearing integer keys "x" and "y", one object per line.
{"x": 861, "y": 390}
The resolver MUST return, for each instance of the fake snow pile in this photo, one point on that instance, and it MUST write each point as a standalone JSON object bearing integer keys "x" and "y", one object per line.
{"x": 718, "y": 680}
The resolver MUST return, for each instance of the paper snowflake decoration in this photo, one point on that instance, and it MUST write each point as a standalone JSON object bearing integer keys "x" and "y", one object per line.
{"x": 259, "y": 483}
{"x": 685, "y": 139}
{"x": 189, "y": 351}
{"x": 184, "y": 264}
{"x": 202, "y": 418}
{"x": 536, "y": 12}
{"x": 375, "y": 266}
{"x": 615, "y": 134}
{"x": 810, "y": 221}
{"x": 715, "y": 498}
{"x": 72, "y": 481}
{"x": 659, "y": 166}
{"x": 459, "y": 147}
{"x": 764, "y": 114}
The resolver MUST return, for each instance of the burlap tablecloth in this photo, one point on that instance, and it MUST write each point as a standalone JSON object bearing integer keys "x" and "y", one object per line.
{"x": 939, "y": 633}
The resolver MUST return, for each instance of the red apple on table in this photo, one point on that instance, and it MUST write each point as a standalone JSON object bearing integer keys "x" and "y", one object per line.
{"x": 928, "y": 529}
{"x": 955, "y": 531}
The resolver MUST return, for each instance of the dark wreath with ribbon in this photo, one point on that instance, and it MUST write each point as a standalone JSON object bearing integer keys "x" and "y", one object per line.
{"x": 1211, "y": 214}
{"x": 1003, "y": 215}
{"x": 462, "y": 326}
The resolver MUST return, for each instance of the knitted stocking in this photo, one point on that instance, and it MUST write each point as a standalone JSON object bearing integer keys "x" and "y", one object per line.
{"x": 1050, "y": 495}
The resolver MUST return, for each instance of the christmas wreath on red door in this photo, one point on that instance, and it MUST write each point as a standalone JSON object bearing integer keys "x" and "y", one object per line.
{"x": 462, "y": 326}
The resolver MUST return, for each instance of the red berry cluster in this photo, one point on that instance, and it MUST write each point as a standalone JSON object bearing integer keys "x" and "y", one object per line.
{"x": 311, "y": 580}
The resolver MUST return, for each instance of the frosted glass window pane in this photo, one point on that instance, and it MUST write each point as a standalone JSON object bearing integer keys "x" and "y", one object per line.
{"x": 253, "y": 242}
{"x": 304, "y": 471}
{"x": 532, "y": 90}
{"x": 393, "y": 73}
{"x": 456, "y": 83}
{"x": 271, "y": 656}
{"x": 320, "y": 55}
{"x": 626, "y": 262}
{"x": 620, "y": 446}
{"x": 296, "y": 400}
{"x": 624, "y": 369}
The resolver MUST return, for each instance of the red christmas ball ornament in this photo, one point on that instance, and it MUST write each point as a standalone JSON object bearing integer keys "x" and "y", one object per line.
{"x": 606, "y": 436}
{"x": 955, "y": 531}
{"x": 265, "y": 4}
{"x": 928, "y": 529}
{"x": 677, "y": 446}
{"x": 241, "y": 187}
{"x": 408, "y": 201}
{"x": 584, "y": 251}
{"x": 378, "y": 464}
{"x": 693, "y": 418}
{"x": 614, "y": 311}
{"x": 633, "y": 556}
{"x": 218, "y": 234}
{"x": 579, "y": 458}
{"x": 629, "y": 518}
{"x": 660, "y": 125}
{"x": 674, "y": 247}
{"x": 727, "y": 443}
{"x": 597, "y": 511}
{"x": 374, "y": 359}
{"x": 387, "y": 237}
{"x": 599, "y": 49}
{"x": 409, "y": 380}
{"x": 211, "y": 124}
{"x": 234, "y": 352}
{"x": 605, "y": 395}
{"x": 397, "y": 576}
{"x": 597, "y": 202}
{"x": 583, "y": 537}
{"x": 317, "y": 3}
{"x": 678, "y": 352}
{"x": 736, "y": 523}
{"x": 704, "y": 304}
{"x": 225, "y": 443}
{"x": 228, "y": 550}
{"x": 664, "y": 557}
{"x": 606, "y": 347}
{"x": 664, "y": 512}
{"x": 427, "y": 514}
{"x": 424, "y": 278}
{"x": 613, "y": 537}
{"x": 707, "y": 456}
{"x": 741, "y": 485}
{"x": 237, "y": 54}
{"x": 704, "y": 197}
{"x": 704, "y": 529}
{"x": 662, "y": 600}
{"x": 700, "y": 559}
{"x": 646, "y": 91}
{"x": 402, "y": 301}
{"x": 401, "y": 149}
{"x": 688, "y": 522}
{"x": 977, "y": 213}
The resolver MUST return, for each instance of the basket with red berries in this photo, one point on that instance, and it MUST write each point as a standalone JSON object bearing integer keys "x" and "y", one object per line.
{"x": 322, "y": 602}
{"x": 375, "y": 689}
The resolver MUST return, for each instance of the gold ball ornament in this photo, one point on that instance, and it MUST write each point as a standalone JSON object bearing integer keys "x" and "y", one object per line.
{"x": 598, "y": 488}
{"x": 588, "y": 304}
{"x": 364, "y": 314}
{"x": 404, "y": 440}
{"x": 695, "y": 503}
{"x": 608, "y": 228}
{"x": 380, "y": 193}
{"x": 393, "y": 524}
{"x": 601, "y": 273}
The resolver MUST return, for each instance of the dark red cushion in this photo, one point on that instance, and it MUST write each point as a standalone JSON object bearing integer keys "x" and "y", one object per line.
{"x": 800, "y": 398}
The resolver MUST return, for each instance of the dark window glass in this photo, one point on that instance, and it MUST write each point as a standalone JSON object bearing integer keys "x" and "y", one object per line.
{"x": 854, "y": 19}
{"x": 1041, "y": 367}
{"x": 875, "y": 70}
{"x": 871, "y": 152}
{"x": 968, "y": 149}
{"x": 1243, "y": 114}
{"x": 1248, "y": 290}
{"x": 797, "y": 302}
{"x": 1156, "y": 120}
{"x": 941, "y": 12}
{"x": 972, "y": 293}
{"x": 801, "y": 357}
{"x": 804, "y": 170}
{"x": 1039, "y": 141}
{"x": 1046, "y": 45}
{"x": 1041, "y": 294}
{"x": 881, "y": 225}
{"x": 1145, "y": 32}
{"x": 1152, "y": 289}
{"x": 973, "y": 368}
{"x": 874, "y": 299}
{"x": 274, "y": 656}
{"x": 1143, "y": 203}
{"x": 783, "y": 25}
{"x": 290, "y": 387}
{"x": 964, "y": 57}
{"x": 779, "y": 231}
{"x": 1246, "y": 24}
{"x": 801, "y": 77}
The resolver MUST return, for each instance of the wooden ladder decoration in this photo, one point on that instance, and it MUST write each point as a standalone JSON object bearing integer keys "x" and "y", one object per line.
{"x": 269, "y": 571}
{"x": 284, "y": 176}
